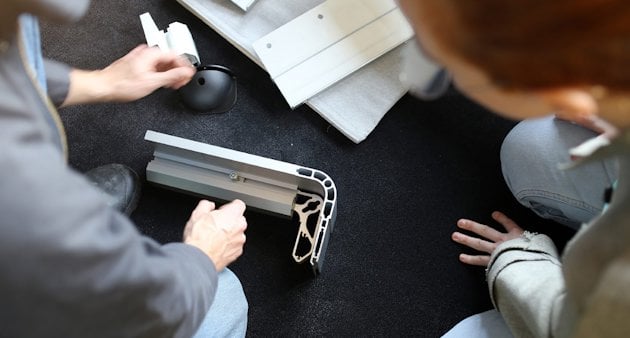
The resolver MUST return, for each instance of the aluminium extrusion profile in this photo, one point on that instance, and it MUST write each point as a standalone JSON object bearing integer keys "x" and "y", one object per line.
{"x": 270, "y": 185}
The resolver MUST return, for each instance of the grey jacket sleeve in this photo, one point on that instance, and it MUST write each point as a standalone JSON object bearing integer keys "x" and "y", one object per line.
{"x": 57, "y": 80}
{"x": 74, "y": 266}
{"x": 526, "y": 285}
{"x": 71, "y": 266}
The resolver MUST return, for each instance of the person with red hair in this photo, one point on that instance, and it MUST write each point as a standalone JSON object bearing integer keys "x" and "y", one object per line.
{"x": 529, "y": 59}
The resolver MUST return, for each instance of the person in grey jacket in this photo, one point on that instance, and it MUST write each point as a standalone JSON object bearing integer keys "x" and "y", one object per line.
{"x": 72, "y": 265}
{"x": 527, "y": 59}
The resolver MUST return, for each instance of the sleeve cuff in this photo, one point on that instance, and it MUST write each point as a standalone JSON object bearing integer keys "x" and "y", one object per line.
{"x": 193, "y": 256}
{"x": 527, "y": 248}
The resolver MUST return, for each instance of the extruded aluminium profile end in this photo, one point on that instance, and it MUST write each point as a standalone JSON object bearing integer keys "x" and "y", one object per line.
{"x": 274, "y": 186}
{"x": 323, "y": 204}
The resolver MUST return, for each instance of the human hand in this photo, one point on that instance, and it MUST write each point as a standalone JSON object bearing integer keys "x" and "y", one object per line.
{"x": 134, "y": 76}
{"x": 219, "y": 233}
{"x": 491, "y": 238}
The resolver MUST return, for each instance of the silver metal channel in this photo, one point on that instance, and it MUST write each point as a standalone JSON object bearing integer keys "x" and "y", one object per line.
{"x": 265, "y": 184}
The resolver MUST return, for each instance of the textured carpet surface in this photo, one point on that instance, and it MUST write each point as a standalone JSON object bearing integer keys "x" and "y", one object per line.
{"x": 391, "y": 268}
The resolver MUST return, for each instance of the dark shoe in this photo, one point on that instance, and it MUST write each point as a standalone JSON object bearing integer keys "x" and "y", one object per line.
{"x": 120, "y": 184}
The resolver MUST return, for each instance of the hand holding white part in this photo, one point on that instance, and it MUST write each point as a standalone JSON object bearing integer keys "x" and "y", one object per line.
{"x": 134, "y": 76}
{"x": 176, "y": 39}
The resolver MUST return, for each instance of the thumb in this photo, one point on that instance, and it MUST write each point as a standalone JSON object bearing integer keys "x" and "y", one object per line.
{"x": 202, "y": 208}
{"x": 236, "y": 207}
{"x": 175, "y": 77}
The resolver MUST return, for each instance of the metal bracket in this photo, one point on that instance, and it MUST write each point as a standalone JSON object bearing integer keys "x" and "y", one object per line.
{"x": 262, "y": 183}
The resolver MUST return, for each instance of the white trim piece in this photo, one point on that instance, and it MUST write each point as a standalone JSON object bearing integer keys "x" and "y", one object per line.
{"x": 329, "y": 42}
{"x": 177, "y": 38}
{"x": 153, "y": 35}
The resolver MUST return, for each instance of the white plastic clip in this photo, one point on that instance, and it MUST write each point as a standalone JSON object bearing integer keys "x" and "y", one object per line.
{"x": 176, "y": 38}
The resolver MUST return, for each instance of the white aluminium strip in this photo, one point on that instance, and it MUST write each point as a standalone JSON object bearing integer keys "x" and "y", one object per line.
{"x": 339, "y": 60}
{"x": 221, "y": 154}
{"x": 329, "y": 42}
{"x": 244, "y": 4}
{"x": 316, "y": 30}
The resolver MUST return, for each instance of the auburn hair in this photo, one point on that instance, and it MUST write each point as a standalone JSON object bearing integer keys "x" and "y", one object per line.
{"x": 545, "y": 43}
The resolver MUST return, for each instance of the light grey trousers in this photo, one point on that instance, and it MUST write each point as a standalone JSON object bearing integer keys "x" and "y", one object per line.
{"x": 227, "y": 316}
{"x": 530, "y": 155}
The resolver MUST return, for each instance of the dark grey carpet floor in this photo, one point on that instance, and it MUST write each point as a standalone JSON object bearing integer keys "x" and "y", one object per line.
{"x": 391, "y": 268}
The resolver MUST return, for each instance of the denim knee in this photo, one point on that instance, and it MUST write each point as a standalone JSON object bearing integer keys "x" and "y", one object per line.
{"x": 530, "y": 156}
{"x": 227, "y": 316}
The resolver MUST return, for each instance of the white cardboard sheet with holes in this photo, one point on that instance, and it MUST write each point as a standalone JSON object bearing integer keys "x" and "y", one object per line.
{"x": 327, "y": 43}
{"x": 353, "y": 105}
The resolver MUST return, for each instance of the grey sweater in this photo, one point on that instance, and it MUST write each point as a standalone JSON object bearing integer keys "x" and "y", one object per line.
{"x": 584, "y": 293}
{"x": 71, "y": 266}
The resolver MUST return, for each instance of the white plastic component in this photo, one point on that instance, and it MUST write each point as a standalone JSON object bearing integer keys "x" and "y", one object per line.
{"x": 329, "y": 42}
{"x": 176, "y": 38}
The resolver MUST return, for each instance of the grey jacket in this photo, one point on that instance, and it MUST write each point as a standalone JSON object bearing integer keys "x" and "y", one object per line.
{"x": 584, "y": 293}
{"x": 71, "y": 266}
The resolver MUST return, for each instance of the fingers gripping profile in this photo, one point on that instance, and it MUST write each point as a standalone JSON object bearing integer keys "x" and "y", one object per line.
{"x": 219, "y": 233}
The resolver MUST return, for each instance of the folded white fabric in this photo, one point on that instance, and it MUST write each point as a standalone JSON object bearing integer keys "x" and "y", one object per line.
{"x": 353, "y": 105}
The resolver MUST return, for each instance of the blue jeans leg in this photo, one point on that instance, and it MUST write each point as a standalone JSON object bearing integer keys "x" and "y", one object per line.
{"x": 227, "y": 316}
{"x": 530, "y": 155}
